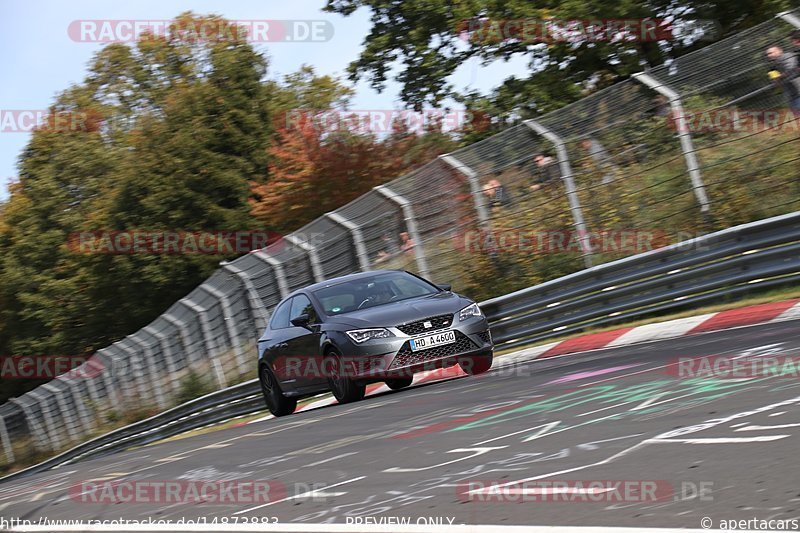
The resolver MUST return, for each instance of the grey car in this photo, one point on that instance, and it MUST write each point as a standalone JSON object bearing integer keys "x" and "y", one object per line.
{"x": 385, "y": 325}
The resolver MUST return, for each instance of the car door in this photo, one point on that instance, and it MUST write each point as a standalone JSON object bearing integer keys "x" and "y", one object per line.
{"x": 302, "y": 350}
{"x": 275, "y": 339}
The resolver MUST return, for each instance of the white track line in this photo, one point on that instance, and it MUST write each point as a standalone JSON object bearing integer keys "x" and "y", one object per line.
{"x": 762, "y": 428}
{"x": 723, "y": 440}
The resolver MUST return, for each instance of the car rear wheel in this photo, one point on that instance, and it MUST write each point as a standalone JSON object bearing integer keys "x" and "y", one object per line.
{"x": 277, "y": 403}
{"x": 344, "y": 389}
{"x": 476, "y": 364}
{"x": 399, "y": 383}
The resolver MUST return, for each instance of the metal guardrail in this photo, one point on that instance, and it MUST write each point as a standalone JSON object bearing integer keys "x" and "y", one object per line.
{"x": 716, "y": 265}
{"x": 218, "y": 406}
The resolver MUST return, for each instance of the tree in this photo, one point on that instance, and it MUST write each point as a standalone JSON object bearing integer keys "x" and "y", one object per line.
{"x": 432, "y": 38}
{"x": 314, "y": 171}
{"x": 305, "y": 90}
{"x": 323, "y": 157}
{"x": 172, "y": 131}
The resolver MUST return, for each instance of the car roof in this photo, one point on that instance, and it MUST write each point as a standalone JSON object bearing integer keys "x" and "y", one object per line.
{"x": 340, "y": 279}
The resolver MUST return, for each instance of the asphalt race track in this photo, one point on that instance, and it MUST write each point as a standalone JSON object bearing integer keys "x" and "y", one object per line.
{"x": 714, "y": 448}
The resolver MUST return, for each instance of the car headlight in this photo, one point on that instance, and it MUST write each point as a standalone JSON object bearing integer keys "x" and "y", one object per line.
{"x": 470, "y": 311}
{"x": 362, "y": 335}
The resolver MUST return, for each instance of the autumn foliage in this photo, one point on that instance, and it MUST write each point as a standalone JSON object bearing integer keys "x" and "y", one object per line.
{"x": 314, "y": 170}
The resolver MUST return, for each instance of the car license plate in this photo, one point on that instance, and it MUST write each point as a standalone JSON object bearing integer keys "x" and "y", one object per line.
{"x": 431, "y": 341}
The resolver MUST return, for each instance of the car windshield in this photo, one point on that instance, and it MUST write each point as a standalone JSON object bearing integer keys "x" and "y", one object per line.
{"x": 373, "y": 291}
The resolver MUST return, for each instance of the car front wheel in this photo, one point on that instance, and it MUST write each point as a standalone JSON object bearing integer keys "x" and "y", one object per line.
{"x": 344, "y": 389}
{"x": 277, "y": 403}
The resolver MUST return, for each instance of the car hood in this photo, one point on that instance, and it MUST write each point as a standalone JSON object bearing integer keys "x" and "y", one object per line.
{"x": 395, "y": 313}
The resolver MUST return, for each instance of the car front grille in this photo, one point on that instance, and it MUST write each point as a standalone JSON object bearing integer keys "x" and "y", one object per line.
{"x": 406, "y": 357}
{"x": 437, "y": 322}
{"x": 485, "y": 336}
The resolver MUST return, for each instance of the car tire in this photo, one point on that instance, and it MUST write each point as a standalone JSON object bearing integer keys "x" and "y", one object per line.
{"x": 476, "y": 364}
{"x": 343, "y": 389}
{"x": 277, "y": 403}
{"x": 399, "y": 383}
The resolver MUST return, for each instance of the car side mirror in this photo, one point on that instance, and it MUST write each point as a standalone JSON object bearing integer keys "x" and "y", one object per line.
{"x": 301, "y": 321}
{"x": 445, "y": 286}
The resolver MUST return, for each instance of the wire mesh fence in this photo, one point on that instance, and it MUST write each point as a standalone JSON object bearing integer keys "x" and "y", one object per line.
{"x": 701, "y": 143}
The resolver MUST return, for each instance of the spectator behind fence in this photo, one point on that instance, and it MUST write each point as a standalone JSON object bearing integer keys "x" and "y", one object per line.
{"x": 546, "y": 171}
{"x": 785, "y": 74}
{"x": 398, "y": 256}
{"x": 600, "y": 158}
{"x": 406, "y": 243}
{"x": 390, "y": 248}
{"x": 497, "y": 194}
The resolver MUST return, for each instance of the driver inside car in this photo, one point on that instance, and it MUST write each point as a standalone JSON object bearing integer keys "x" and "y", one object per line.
{"x": 382, "y": 294}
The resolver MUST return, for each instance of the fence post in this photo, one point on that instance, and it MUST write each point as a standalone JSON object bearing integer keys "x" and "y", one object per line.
{"x": 259, "y": 311}
{"x": 169, "y": 356}
{"x": 569, "y": 185}
{"x": 136, "y": 369}
{"x": 358, "y": 238}
{"x": 47, "y": 416}
{"x": 126, "y": 373}
{"x": 207, "y": 339}
{"x": 39, "y": 434}
{"x": 181, "y": 325}
{"x": 475, "y": 188}
{"x": 411, "y": 225}
{"x": 474, "y": 185}
{"x": 684, "y": 136}
{"x": 154, "y": 377}
{"x": 230, "y": 325}
{"x": 277, "y": 267}
{"x": 113, "y": 385}
{"x": 68, "y": 419}
{"x": 124, "y": 377}
{"x": 88, "y": 368}
{"x": 80, "y": 405}
{"x": 7, "y": 448}
{"x": 316, "y": 267}
{"x": 790, "y": 17}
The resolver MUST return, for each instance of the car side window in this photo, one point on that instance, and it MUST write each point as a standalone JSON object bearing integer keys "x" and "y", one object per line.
{"x": 302, "y": 305}
{"x": 280, "y": 318}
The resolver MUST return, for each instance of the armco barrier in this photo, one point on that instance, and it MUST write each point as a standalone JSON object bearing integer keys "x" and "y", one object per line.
{"x": 716, "y": 265}
{"x": 695, "y": 271}
{"x": 216, "y": 407}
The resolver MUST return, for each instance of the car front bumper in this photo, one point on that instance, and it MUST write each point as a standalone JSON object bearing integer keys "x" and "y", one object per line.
{"x": 392, "y": 358}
